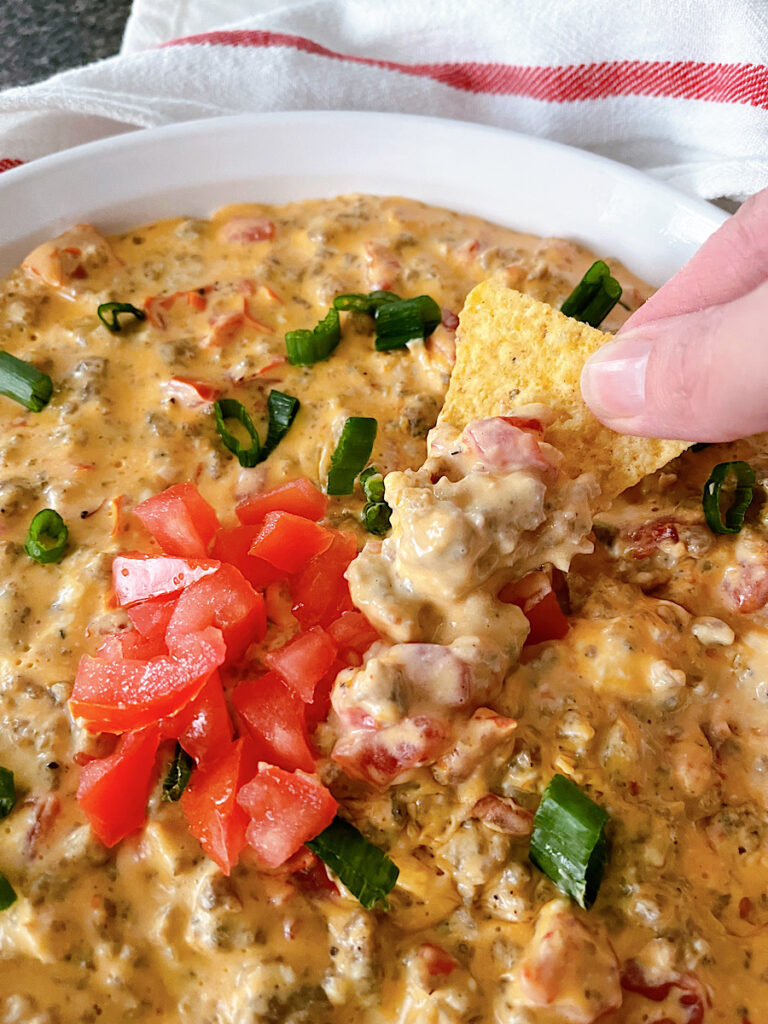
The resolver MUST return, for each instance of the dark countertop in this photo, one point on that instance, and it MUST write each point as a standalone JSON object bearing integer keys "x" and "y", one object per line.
{"x": 42, "y": 37}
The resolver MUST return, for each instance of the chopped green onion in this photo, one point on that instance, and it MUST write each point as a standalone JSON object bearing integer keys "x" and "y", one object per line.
{"x": 351, "y": 453}
{"x": 742, "y": 496}
{"x": 282, "y": 412}
{"x": 24, "y": 383}
{"x": 359, "y": 303}
{"x": 594, "y": 296}
{"x": 377, "y": 517}
{"x": 230, "y": 409}
{"x": 397, "y": 323}
{"x": 305, "y": 347}
{"x": 568, "y": 842}
{"x": 367, "y": 871}
{"x": 179, "y": 774}
{"x": 7, "y": 792}
{"x": 376, "y": 514}
{"x": 372, "y": 483}
{"x": 47, "y": 537}
{"x": 113, "y": 309}
{"x": 7, "y": 894}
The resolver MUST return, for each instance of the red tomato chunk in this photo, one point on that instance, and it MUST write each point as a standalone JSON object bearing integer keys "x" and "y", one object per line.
{"x": 204, "y": 728}
{"x": 114, "y": 790}
{"x": 117, "y": 696}
{"x": 299, "y": 497}
{"x": 137, "y": 577}
{"x": 209, "y": 804}
{"x": 233, "y": 544}
{"x": 304, "y": 661}
{"x": 538, "y": 602}
{"x": 286, "y": 809}
{"x": 224, "y": 600}
{"x": 320, "y": 592}
{"x": 274, "y": 716}
{"x": 353, "y": 632}
{"x": 289, "y": 542}
{"x": 152, "y": 617}
{"x": 180, "y": 519}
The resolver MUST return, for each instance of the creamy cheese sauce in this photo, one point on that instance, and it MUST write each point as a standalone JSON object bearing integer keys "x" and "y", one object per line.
{"x": 656, "y": 700}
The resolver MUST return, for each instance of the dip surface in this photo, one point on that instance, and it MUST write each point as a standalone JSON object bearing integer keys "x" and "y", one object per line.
{"x": 656, "y": 699}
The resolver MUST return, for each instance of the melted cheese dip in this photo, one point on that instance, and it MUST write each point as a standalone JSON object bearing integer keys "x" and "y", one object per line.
{"x": 656, "y": 700}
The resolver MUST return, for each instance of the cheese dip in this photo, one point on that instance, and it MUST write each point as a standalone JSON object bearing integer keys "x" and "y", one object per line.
{"x": 440, "y": 743}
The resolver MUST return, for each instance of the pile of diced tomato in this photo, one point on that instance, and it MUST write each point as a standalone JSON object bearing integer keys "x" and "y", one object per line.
{"x": 182, "y": 673}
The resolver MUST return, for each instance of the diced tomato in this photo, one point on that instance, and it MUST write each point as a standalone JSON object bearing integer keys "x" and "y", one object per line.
{"x": 644, "y": 540}
{"x": 504, "y": 446}
{"x": 633, "y": 979}
{"x": 223, "y": 329}
{"x": 286, "y": 809}
{"x": 289, "y": 541}
{"x": 303, "y": 661}
{"x": 225, "y": 600}
{"x": 118, "y": 696}
{"x": 299, "y": 497}
{"x": 525, "y": 423}
{"x": 248, "y": 229}
{"x": 210, "y": 806}
{"x": 137, "y": 577}
{"x": 152, "y": 617}
{"x": 180, "y": 520}
{"x": 204, "y": 727}
{"x": 383, "y": 756}
{"x": 193, "y": 394}
{"x": 353, "y": 632}
{"x": 433, "y": 964}
{"x": 131, "y": 644}
{"x": 274, "y": 716}
{"x": 320, "y": 591}
{"x": 313, "y": 876}
{"x": 317, "y": 711}
{"x": 537, "y": 600}
{"x": 232, "y": 545}
{"x": 113, "y": 791}
{"x": 746, "y": 586}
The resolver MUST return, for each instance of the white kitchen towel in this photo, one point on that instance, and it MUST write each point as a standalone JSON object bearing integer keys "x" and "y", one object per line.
{"x": 678, "y": 88}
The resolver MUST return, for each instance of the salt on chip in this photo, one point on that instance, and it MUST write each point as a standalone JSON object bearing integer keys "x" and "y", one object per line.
{"x": 513, "y": 350}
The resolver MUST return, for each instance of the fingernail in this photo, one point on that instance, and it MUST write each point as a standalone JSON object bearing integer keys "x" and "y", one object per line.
{"x": 613, "y": 379}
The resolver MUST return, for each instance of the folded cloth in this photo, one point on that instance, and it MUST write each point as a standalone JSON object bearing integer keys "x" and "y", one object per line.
{"x": 677, "y": 89}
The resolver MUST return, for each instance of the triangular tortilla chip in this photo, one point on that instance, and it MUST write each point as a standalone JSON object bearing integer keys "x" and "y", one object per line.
{"x": 513, "y": 350}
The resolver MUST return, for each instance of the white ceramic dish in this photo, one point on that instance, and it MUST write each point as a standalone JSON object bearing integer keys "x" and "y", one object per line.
{"x": 194, "y": 167}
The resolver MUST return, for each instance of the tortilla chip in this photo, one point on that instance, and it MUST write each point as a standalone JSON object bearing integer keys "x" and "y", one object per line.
{"x": 513, "y": 350}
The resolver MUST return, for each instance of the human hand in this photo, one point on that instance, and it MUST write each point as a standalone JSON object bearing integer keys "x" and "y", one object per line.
{"x": 692, "y": 362}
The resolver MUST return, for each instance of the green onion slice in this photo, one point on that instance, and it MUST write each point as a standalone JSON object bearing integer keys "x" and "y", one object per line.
{"x": 744, "y": 477}
{"x": 47, "y": 537}
{"x": 7, "y": 792}
{"x": 372, "y": 483}
{"x": 377, "y": 517}
{"x": 376, "y": 514}
{"x": 307, "y": 347}
{"x": 108, "y": 313}
{"x": 366, "y": 870}
{"x": 179, "y": 774}
{"x": 7, "y": 894}
{"x": 594, "y": 296}
{"x": 397, "y": 323}
{"x": 568, "y": 842}
{"x": 24, "y": 383}
{"x": 359, "y": 303}
{"x": 230, "y": 409}
{"x": 282, "y": 412}
{"x": 351, "y": 453}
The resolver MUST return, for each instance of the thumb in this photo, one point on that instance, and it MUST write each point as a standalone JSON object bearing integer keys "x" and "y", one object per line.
{"x": 701, "y": 376}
